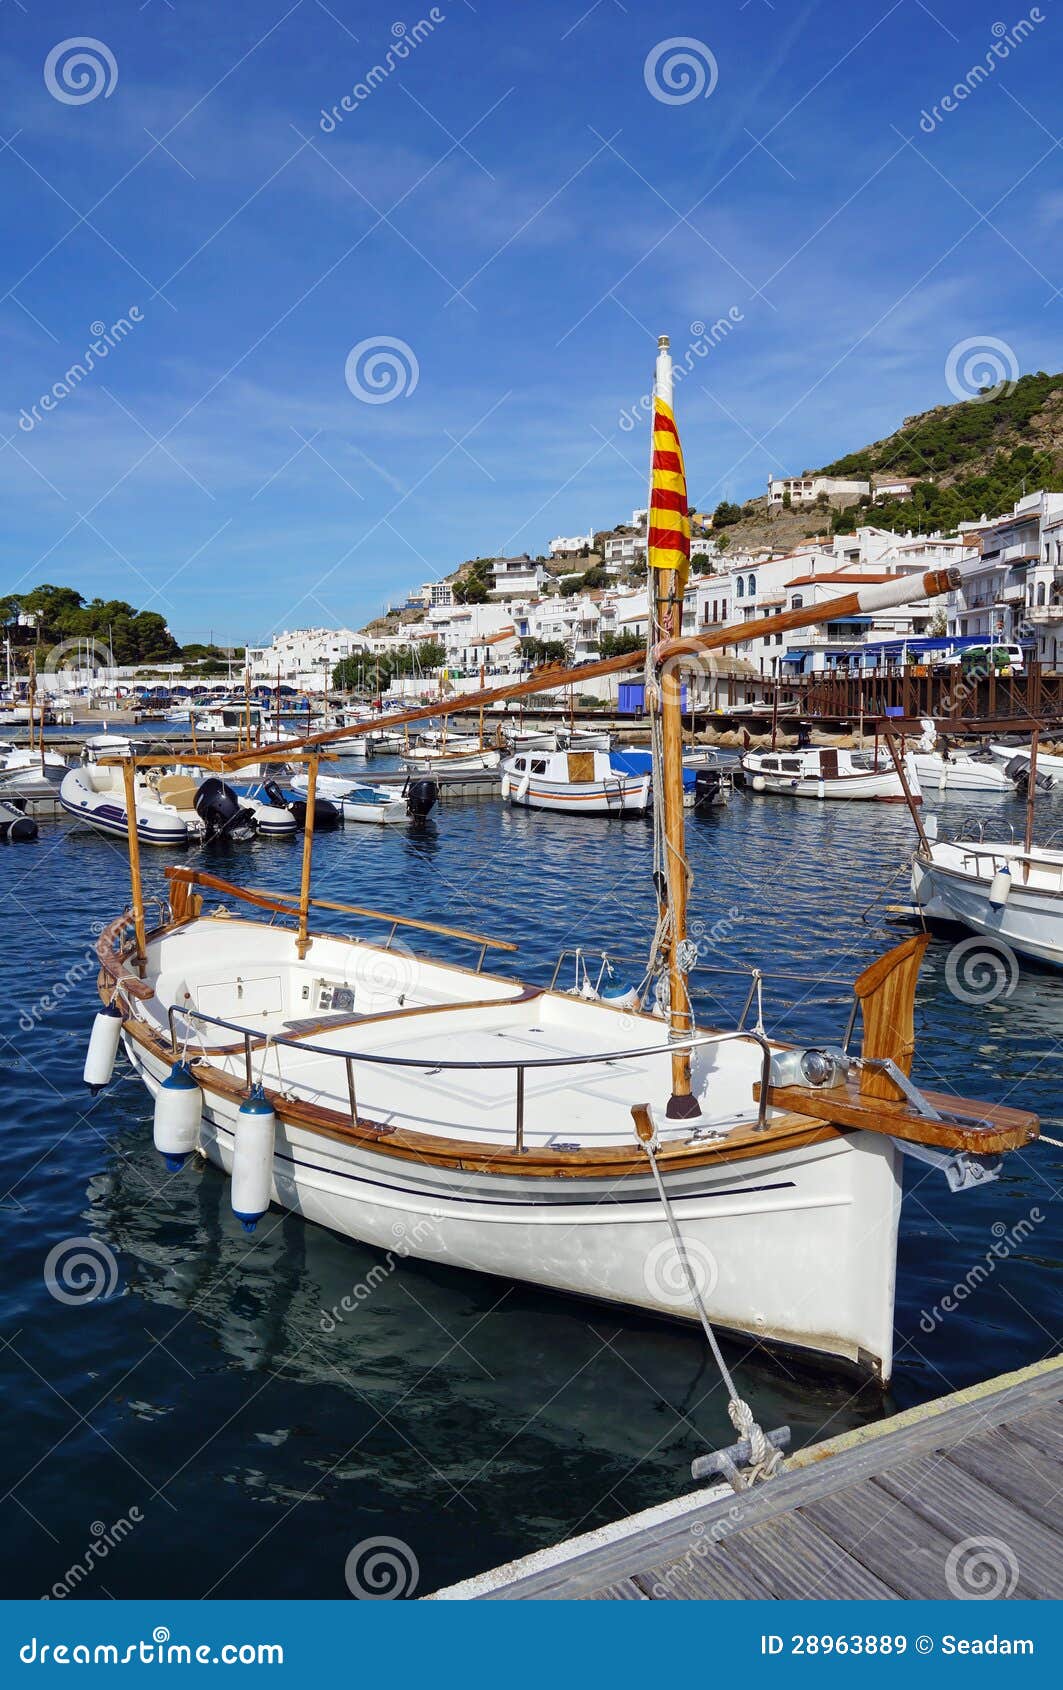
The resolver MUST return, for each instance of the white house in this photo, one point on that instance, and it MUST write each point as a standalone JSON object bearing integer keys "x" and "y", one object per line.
{"x": 304, "y": 658}
{"x": 567, "y": 546}
{"x": 806, "y": 489}
{"x": 516, "y": 575}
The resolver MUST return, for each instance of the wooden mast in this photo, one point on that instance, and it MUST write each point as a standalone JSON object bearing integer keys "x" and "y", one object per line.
{"x": 302, "y": 938}
{"x": 1031, "y": 800}
{"x": 666, "y": 624}
{"x": 136, "y": 885}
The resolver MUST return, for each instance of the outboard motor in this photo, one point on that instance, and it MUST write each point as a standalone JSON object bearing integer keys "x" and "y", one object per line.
{"x": 14, "y": 825}
{"x": 219, "y": 809}
{"x": 327, "y": 816}
{"x": 274, "y": 794}
{"x": 1018, "y": 770}
{"x": 421, "y": 798}
{"x": 707, "y": 785}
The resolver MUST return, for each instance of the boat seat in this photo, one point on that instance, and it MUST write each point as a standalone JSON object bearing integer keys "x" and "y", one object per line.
{"x": 177, "y": 790}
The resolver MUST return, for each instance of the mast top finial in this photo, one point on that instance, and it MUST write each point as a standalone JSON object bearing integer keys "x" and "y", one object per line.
{"x": 663, "y": 342}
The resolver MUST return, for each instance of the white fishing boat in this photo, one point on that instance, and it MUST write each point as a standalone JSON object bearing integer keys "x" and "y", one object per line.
{"x": 828, "y": 772}
{"x": 376, "y": 806}
{"x": 529, "y": 739}
{"x": 436, "y": 753}
{"x": 583, "y": 739}
{"x": 700, "y": 1173}
{"x": 943, "y": 767}
{"x": 1010, "y": 893}
{"x": 580, "y": 783}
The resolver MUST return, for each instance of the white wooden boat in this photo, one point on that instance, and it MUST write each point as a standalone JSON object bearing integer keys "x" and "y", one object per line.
{"x": 996, "y": 888}
{"x": 376, "y": 806}
{"x": 583, "y": 739}
{"x": 528, "y": 739}
{"x": 827, "y": 772}
{"x": 489, "y": 1124}
{"x": 581, "y": 783}
{"x": 458, "y": 755}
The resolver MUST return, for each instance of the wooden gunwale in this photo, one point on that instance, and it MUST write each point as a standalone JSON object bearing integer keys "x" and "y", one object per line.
{"x": 472, "y": 1156}
{"x": 1009, "y": 1129}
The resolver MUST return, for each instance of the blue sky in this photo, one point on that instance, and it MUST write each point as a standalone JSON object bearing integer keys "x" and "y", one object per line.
{"x": 516, "y": 205}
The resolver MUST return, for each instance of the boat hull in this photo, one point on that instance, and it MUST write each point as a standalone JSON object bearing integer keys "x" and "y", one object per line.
{"x": 940, "y": 774}
{"x": 1030, "y": 923}
{"x": 796, "y": 1250}
{"x": 622, "y": 797}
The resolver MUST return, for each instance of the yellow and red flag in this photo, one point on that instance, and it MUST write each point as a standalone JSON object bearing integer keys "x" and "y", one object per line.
{"x": 668, "y": 537}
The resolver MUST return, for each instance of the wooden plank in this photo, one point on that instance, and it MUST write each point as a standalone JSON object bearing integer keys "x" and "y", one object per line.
{"x": 1029, "y": 1477}
{"x": 1006, "y": 1129}
{"x": 624, "y": 1590}
{"x": 893, "y": 1543}
{"x": 1042, "y": 1427}
{"x": 796, "y": 1561}
{"x": 958, "y": 1507}
{"x": 703, "y": 1574}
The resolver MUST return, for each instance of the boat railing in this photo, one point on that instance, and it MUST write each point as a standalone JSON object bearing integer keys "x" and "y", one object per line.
{"x": 518, "y": 1066}
{"x": 581, "y": 954}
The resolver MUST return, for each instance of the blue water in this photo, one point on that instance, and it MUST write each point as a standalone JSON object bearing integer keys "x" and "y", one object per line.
{"x": 257, "y": 1438}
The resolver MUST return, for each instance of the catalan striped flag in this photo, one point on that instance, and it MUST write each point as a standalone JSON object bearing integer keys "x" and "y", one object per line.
{"x": 668, "y": 538}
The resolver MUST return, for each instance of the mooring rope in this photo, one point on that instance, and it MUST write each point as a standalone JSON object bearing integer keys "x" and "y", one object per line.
{"x": 764, "y": 1458}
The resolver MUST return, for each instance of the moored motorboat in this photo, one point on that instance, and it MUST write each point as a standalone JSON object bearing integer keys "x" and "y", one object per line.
{"x": 359, "y": 802}
{"x": 945, "y": 767}
{"x": 581, "y": 783}
{"x": 827, "y": 772}
{"x": 94, "y": 795}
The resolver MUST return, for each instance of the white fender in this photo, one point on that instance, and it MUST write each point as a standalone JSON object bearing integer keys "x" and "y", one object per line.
{"x": 178, "y": 1114}
{"x": 505, "y": 787}
{"x": 522, "y": 790}
{"x": 103, "y": 1048}
{"x": 1000, "y": 889}
{"x": 252, "y": 1176}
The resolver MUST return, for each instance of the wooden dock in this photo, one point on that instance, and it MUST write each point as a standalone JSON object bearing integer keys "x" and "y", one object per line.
{"x": 957, "y": 1498}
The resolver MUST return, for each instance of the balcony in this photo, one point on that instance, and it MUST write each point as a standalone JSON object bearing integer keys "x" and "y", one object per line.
{"x": 766, "y": 600}
{"x": 1015, "y": 593}
{"x": 1039, "y": 614}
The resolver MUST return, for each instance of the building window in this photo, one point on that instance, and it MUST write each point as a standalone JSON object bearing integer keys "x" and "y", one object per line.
{"x": 740, "y": 593}
{"x": 797, "y": 602}
{"x": 751, "y": 585}
{"x": 1040, "y": 592}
